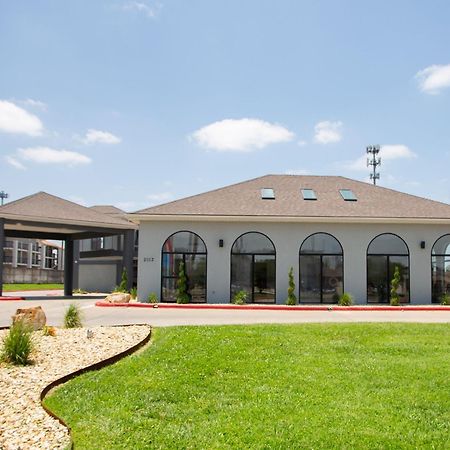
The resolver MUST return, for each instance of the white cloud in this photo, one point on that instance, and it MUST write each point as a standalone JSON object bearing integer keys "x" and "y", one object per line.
{"x": 16, "y": 120}
{"x": 388, "y": 152}
{"x": 241, "y": 135}
{"x": 297, "y": 172}
{"x": 161, "y": 197}
{"x": 396, "y": 151}
{"x": 149, "y": 9}
{"x": 100, "y": 137}
{"x": 327, "y": 132}
{"x": 434, "y": 78}
{"x": 35, "y": 104}
{"x": 301, "y": 143}
{"x": 14, "y": 162}
{"x": 46, "y": 155}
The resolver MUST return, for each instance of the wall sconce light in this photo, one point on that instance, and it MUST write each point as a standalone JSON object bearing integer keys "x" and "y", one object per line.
{"x": 220, "y": 242}
{"x": 422, "y": 244}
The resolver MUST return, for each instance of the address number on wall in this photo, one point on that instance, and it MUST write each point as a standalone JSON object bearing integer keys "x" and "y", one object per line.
{"x": 149, "y": 259}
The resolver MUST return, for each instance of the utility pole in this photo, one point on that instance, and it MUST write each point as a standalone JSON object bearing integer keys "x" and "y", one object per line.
{"x": 3, "y": 195}
{"x": 373, "y": 161}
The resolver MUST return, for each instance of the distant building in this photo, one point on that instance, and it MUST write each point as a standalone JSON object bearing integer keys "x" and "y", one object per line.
{"x": 32, "y": 261}
{"x": 99, "y": 261}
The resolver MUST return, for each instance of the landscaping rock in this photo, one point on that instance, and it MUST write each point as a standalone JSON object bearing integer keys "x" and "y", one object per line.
{"x": 118, "y": 297}
{"x": 24, "y": 425}
{"x": 35, "y": 317}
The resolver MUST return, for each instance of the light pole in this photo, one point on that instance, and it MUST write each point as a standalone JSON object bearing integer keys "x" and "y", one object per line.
{"x": 3, "y": 196}
{"x": 373, "y": 161}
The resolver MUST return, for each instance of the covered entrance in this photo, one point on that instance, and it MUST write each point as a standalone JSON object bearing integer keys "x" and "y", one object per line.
{"x": 45, "y": 216}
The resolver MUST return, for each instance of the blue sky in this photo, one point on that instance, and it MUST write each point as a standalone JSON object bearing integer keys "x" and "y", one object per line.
{"x": 135, "y": 103}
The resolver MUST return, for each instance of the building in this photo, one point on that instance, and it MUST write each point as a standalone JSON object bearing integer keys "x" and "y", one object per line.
{"x": 99, "y": 261}
{"x": 32, "y": 261}
{"x": 47, "y": 217}
{"x": 336, "y": 233}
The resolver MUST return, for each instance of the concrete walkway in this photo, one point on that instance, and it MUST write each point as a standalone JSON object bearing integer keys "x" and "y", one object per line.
{"x": 93, "y": 316}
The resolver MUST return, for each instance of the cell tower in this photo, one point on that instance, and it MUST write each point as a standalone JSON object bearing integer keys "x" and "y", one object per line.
{"x": 373, "y": 161}
{"x": 3, "y": 196}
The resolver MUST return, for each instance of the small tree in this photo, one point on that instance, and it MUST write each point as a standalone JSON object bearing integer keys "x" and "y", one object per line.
{"x": 123, "y": 287}
{"x": 182, "y": 294}
{"x": 395, "y": 283}
{"x": 291, "y": 298}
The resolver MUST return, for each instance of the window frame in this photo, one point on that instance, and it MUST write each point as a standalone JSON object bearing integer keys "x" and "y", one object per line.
{"x": 388, "y": 255}
{"x": 163, "y": 277}
{"x": 253, "y": 254}
{"x": 321, "y": 255}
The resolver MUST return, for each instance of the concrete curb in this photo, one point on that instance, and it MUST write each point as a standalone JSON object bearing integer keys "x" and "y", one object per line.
{"x": 272, "y": 307}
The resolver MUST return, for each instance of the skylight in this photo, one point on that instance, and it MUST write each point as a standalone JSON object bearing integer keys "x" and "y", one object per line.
{"x": 348, "y": 195}
{"x": 309, "y": 194}
{"x": 267, "y": 194}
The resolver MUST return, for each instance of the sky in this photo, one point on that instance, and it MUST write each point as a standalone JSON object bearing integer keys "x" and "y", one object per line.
{"x": 139, "y": 102}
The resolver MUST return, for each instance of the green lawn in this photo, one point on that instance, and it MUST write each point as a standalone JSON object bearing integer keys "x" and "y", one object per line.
{"x": 318, "y": 386}
{"x": 30, "y": 287}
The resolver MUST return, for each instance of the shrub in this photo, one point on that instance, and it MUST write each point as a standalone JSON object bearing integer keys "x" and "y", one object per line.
{"x": 17, "y": 344}
{"x": 123, "y": 286}
{"x": 182, "y": 294}
{"x": 152, "y": 297}
{"x": 49, "y": 331}
{"x": 72, "y": 317}
{"x": 445, "y": 299}
{"x": 240, "y": 298}
{"x": 133, "y": 293}
{"x": 345, "y": 299}
{"x": 395, "y": 283}
{"x": 291, "y": 298}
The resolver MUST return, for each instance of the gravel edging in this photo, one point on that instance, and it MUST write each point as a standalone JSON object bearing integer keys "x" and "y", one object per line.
{"x": 24, "y": 422}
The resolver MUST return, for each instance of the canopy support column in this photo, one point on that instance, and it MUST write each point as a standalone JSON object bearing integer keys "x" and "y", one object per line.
{"x": 68, "y": 267}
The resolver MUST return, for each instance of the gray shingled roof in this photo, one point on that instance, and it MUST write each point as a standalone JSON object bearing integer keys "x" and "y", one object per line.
{"x": 244, "y": 199}
{"x": 48, "y": 208}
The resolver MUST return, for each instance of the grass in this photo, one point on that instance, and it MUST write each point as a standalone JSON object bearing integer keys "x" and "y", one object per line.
{"x": 17, "y": 344}
{"x": 30, "y": 287}
{"x": 321, "y": 386}
{"x": 72, "y": 316}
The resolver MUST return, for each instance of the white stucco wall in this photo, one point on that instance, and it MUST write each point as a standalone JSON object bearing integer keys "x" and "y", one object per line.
{"x": 287, "y": 238}
{"x": 97, "y": 277}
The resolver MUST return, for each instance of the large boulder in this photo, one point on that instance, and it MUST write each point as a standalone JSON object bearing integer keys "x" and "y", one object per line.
{"x": 34, "y": 317}
{"x": 118, "y": 297}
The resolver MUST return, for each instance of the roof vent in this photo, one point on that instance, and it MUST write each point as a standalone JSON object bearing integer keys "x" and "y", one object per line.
{"x": 267, "y": 194}
{"x": 309, "y": 194}
{"x": 348, "y": 195}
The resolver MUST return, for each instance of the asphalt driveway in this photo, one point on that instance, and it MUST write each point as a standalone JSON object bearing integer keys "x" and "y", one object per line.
{"x": 94, "y": 316}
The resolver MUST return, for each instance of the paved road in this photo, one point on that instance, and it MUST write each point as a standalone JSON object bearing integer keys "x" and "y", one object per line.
{"x": 94, "y": 316}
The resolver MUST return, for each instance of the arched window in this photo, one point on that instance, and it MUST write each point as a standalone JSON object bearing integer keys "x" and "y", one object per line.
{"x": 385, "y": 253}
{"x": 189, "y": 248}
{"x": 440, "y": 268}
{"x": 321, "y": 269}
{"x": 253, "y": 267}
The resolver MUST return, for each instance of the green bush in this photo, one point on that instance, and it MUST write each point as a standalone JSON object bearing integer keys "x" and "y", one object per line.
{"x": 133, "y": 293}
{"x": 291, "y": 298}
{"x": 445, "y": 299}
{"x": 395, "y": 283}
{"x": 152, "y": 297}
{"x": 72, "y": 317}
{"x": 182, "y": 294}
{"x": 79, "y": 291}
{"x": 123, "y": 286}
{"x": 345, "y": 299}
{"x": 240, "y": 298}
{"x": 17, "y": 344}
